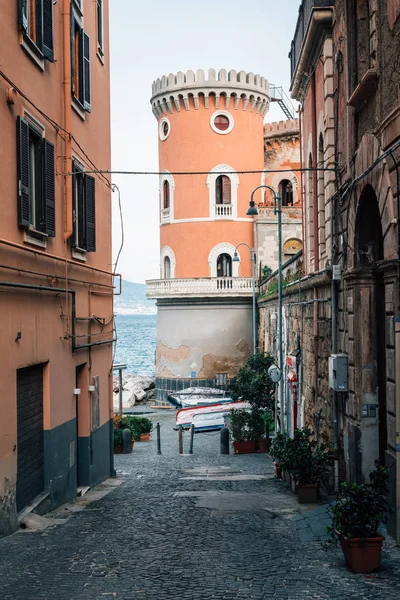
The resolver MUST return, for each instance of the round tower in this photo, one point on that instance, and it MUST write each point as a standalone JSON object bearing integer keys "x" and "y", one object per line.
{"x": 211, "y": 127}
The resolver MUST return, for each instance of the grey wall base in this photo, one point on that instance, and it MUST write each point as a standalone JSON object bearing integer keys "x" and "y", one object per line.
{"x": 95, "y": 456}
{"x": 59, "y": 462}
{"x": 168, "y": 385}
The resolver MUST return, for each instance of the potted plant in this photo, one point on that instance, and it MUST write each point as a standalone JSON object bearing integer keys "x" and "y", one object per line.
{"x": 117, "y": 440}
{"x": 277, "y": 451}
{"x": 309, "y": 464}
{"x": 253, "y": 384}
{"x": 139, "y": 426}
{"x": 247, "y": 431}
{"x": 359, "y": 511}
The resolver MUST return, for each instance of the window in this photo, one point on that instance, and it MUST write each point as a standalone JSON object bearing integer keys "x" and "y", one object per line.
{"x": 167, "y": 268}
{"x": 84, "y": 210}
{"x": 286, "y": 191}
{"x": 222, "y": 122}
{"x": 164, "y": 129}
{"x": 36, "y": 194}
{"x": 224, "y": 265}
{"x": 80, "y": 63}
{"x": 166, "y": 200}
{"x": 100, "y": 27}
{"x": 223, "y": 190}
{"x": 36, "y": 21}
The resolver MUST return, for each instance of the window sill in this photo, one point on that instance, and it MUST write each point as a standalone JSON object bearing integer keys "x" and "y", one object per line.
{"x": 35, "y": 238}
{"x": 79, "y": 254}
{"x": 32, "y": 51}
{"x": 78, "y": 108}
{"x": 365, "y": 89}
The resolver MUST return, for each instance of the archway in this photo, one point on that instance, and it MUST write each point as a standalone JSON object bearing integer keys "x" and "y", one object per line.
{"x": 224, "y": 265}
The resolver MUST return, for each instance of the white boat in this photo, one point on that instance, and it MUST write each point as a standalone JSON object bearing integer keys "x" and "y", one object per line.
{"x": 198, "y": 396}
{"x": 210, "y": 417}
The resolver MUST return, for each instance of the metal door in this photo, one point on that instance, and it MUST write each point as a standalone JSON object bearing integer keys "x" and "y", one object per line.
{"x": 30, "y": 463}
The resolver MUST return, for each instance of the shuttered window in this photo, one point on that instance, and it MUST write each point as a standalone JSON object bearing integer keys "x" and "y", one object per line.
{"x": 36, "y": 190}
{"x": 80, "y": 63}
{"x": 36, "y": 19}
{"x": 223, "y": 190}
{"x": 100, "y": 48}
{"x": 84, "y": 210}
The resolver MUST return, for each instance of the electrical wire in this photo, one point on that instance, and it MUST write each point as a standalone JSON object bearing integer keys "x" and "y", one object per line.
{"x": 114, "y": 188}
{"x": 158, "y": 173}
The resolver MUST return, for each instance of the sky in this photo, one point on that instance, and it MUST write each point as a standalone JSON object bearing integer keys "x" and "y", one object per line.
{"x": 154, "y": 38}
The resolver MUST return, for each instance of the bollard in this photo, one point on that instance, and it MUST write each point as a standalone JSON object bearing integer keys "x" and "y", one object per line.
{"x": 158, "y": 439}
{"x": 224, "y": 438}
{"x": 180, "y": 438}
{"x": 126, "y": 441}
{"x": 191, "y": 439}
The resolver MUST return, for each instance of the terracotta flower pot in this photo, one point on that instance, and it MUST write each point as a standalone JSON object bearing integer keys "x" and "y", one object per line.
{"x": 307, "y": 493}
{"x": 117, "y": 449}
{"x": 362, "y": 555}
{"x": 144, "y": 437}
{"x": 250, "y": 447}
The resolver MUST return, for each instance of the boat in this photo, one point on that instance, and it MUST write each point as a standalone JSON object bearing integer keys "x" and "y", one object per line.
{"x": 197, "y": 396}
{"x": 209, "y": 417}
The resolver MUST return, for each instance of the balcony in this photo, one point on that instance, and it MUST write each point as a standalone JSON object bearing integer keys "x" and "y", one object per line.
{"x": 223, "y": 211}
{"x": 288, "y": 213}
{"x": 165, "y": 215}
{"x": 315, "y": 18}
{"x": 199, "y": 287}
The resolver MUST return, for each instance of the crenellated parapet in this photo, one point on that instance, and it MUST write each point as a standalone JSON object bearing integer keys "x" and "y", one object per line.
{"x": 175, "y": 92}
{"x": 278, "y": 128}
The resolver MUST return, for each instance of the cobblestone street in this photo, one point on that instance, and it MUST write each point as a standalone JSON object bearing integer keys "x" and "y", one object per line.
{"x": 196, "y": 527}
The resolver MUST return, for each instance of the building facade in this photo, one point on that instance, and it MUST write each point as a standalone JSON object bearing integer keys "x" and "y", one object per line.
{"x": 56, "y": 288}
{"x": 346, "y": 301}
{"x": 210, "y": 127}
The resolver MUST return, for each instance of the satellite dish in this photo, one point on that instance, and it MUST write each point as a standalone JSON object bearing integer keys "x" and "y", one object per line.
{"x": 274, "y": 373}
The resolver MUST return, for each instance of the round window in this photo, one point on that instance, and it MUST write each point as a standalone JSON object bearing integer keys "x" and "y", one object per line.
{"x": 222, "y": 122}
{"x": 164, "y": 129}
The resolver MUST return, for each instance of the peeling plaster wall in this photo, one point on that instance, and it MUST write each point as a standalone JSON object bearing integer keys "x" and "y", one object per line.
{"x": 203, "y": 338}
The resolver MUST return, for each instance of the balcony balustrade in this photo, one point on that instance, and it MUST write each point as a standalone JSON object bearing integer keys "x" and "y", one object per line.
{"x": 199, "y": 287}
{"x": 305, "y": 12}
{"x": 223, "y": 211}
{"x": 165, "y": 215}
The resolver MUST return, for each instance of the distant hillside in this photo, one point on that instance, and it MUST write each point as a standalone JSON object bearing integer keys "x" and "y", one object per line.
{"x": 133, "y": 300}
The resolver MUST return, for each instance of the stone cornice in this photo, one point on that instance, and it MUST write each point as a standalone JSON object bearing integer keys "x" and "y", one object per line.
{"x": 173, "y": 92}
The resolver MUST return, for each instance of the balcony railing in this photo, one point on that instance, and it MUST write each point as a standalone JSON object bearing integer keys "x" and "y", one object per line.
{"x": 223, "y": 211}
{"x": 303, "y": 20}
{"x": 202, "y": 286}
{"x": 165, "y": 215}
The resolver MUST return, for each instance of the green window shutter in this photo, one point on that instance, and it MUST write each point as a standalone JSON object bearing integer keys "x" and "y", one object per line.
{"x": 100, "y": 25}
{"x": 86, "y": 70}
{"x": 49, "y": 188}
{"x": 74, "y": 204}
{"x": 23, "y": 15}
{"x": 90, "y": 213}
{"x": 48, "y": 30}
{"x": 81, "y": 70}
{"x": 23, "y": 172}
{"x": 72, "y": 19}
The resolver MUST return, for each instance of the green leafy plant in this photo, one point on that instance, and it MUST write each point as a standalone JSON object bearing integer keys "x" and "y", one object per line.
{"x": 117, "y": 437}
{"x": 266, "y": 272}
{"x": 137, "y": 425}
{"x": 361, "y": 508}
{"x": 278, "y": 446}
{"x": 305, "y": 460}
{"x": 253, "y": 384}
{"x": 246, "y": 425}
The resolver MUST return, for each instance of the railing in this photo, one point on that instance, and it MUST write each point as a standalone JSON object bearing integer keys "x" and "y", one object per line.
{"x": 303, "y": 19}
{"x": 165, "y": 215}
{"x": 288, "y": 212}
{"x": 223, "y": 211}
{"x": 204, "y": 286}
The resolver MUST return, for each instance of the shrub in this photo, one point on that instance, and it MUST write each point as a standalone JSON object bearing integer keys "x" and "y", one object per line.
{"x": 253, "y": 384}
{"x": 246, "y": 425}
{"x": 117, "y": 437}
{"x": 137, "y": 425}
{"x": 361, "y": 508}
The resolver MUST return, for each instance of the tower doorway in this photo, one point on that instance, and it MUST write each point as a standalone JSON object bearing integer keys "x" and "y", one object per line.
{"x": 224, "y": 265}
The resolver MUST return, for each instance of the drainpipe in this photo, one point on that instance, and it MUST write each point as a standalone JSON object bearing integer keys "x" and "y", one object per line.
{"x": 315, "y": 173}
{"x": 334, "y": 309}
{"x": 67, "y": 117}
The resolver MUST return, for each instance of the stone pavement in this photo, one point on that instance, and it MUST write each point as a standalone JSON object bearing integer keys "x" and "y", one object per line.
{"x": 194, "y": 527}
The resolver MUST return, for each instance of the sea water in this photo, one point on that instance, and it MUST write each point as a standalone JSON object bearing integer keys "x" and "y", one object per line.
{"x": 136, "y": 345}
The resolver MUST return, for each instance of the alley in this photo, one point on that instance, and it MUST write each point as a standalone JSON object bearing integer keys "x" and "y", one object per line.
{"x": 192, "y": 527}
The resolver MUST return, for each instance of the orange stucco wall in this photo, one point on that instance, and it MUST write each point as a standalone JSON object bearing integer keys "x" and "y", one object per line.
{"x": 44, "y": 319}
{"x": 193, "y": 146}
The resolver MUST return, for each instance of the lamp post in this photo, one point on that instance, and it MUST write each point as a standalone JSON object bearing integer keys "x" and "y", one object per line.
{"x": 253, "y": 282}
{"x": 252, "y": 211}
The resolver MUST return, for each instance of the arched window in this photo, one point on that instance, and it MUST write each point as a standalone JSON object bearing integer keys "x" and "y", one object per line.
{"x": 286, "y": 191}
{"x": 167, "y": 268}
{"x": 223, "y": 190}
{"x": 166, "y": 200}
{"x": 224, "y": 265}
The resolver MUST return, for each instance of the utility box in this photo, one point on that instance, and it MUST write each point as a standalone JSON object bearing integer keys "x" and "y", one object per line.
{"x": 338, "y": 372}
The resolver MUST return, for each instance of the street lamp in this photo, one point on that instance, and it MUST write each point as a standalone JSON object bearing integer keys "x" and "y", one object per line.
{"x": 252, "y": 211}
{"x": 253, "y": 282}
